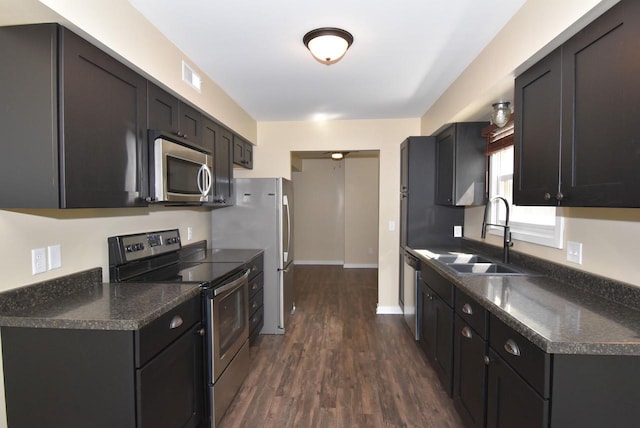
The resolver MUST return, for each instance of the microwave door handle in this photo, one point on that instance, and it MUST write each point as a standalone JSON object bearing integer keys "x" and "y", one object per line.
{"x": 204, "y": 180}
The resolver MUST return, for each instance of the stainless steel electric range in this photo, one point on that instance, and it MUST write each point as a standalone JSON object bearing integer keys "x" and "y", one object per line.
{"x": 155, "y": 257}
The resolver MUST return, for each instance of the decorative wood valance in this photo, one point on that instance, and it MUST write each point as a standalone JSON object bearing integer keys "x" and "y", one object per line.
{"x": 498, "y": 138}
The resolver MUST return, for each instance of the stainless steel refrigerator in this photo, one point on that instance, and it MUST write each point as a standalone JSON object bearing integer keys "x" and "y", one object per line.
{"x": 262, "y": 217}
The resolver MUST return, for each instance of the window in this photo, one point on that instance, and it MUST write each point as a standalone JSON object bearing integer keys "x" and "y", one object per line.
{"x": 538, "y": 225}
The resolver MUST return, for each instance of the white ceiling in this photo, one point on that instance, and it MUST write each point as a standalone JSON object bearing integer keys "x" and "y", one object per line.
{"x": 404, "y": 55}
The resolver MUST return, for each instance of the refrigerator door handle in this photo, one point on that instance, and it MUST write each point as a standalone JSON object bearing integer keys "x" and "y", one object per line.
{"x": 285, "y": 203}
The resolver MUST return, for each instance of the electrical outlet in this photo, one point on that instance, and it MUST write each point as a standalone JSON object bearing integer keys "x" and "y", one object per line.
{"x": 392, "y": 225}
{"x": 38, "y": 261}
{"x": 457, "y": 231}
{"x": 574, "y": 252}
{"x": 54, "y": 256}
{"x": 189, "y": 233}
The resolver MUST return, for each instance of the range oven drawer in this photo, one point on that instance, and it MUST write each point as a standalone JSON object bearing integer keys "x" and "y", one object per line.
{"x": 161, "y": 332}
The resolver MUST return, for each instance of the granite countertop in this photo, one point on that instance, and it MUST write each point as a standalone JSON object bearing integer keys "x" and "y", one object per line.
{"x": 557, "y": 316}
{"x": 83, "y": 301}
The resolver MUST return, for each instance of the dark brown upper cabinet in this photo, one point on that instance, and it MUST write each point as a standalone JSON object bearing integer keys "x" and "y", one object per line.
{"x": 218, "y": 139}
{"x": 73, "y": 122}
{"x": 168, "y": 113}
{"x": 242, "y": 152}
{"x": 576, "y": 142}
{"x": 461, "y": 164}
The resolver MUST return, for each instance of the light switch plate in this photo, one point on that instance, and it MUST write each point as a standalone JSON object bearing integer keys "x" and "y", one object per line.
{"x": 54, "y": 256}
{"x": 574, "y": 252}
{"x": 457, "y": 231}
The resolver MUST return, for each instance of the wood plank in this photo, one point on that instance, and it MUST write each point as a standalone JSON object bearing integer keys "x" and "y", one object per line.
{"x": 340, "y": 364}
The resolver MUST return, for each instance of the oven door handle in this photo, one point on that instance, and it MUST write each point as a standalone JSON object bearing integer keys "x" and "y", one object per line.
{"x": 232, "y": 285}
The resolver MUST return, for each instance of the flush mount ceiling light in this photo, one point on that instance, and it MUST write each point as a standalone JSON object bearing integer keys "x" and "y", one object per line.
{"x": 337, "y": 155}
{"x": 328, "y": 45}
{"x": 501, "y": 113}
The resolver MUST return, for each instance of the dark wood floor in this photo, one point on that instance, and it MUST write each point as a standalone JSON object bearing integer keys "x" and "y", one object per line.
{"x": 340, "y": 364}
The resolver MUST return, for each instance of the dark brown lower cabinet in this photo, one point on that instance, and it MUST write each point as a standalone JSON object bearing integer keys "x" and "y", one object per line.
{"x": 436, "y": 335}
{"x": 511, "y": 402}
{"x": 469, "y": 374}
{"x": 149, "y": 378}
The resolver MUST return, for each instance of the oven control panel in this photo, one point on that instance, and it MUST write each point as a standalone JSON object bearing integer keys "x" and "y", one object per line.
{"x": 127, "y": 248}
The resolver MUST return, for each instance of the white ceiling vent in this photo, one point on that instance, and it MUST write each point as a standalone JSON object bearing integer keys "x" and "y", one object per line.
{"x": 191, "y": 77}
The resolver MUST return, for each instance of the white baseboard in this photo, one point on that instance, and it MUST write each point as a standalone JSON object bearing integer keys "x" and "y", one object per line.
{"x": 318, "y": 262}
{"x": 389, "y": 310}
{"x": 360, "y": 266}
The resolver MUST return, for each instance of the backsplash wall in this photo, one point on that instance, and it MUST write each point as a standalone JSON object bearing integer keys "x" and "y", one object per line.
{"x": 610, "y": 240}
{"x": 82, "y": 235}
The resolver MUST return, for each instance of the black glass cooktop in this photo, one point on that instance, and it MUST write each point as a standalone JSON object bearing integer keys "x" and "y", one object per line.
{"x": 210, "y": 273}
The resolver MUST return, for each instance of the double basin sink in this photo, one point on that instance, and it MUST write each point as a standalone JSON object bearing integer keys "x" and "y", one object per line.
{"x": 472, "y": 264}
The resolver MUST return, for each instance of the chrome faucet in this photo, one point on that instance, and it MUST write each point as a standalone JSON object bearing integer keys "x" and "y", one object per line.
{"x": 506, "y": 237}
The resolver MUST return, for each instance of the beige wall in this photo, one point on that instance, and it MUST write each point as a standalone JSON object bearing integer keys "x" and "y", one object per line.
{"x": 336, "y": 212}
{"x": 279, "y": 139}
{"x": 361, "y": 212}
{"x": 319, "y": 212}
{"x": 611, "y": 237}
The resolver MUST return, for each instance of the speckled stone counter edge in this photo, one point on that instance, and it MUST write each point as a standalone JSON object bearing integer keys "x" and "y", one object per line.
{"x": 44, "y": 292}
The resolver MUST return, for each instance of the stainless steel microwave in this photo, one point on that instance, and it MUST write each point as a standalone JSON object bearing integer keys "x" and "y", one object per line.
{"x": 181, "y": 174}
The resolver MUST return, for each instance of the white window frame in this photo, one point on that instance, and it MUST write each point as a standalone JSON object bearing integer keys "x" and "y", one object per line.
{"x": 546, "y": 235}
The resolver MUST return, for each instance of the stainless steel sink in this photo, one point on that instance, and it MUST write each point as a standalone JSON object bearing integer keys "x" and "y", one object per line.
{"x": 462, "y": 258}
{"x": 484, "y": 269}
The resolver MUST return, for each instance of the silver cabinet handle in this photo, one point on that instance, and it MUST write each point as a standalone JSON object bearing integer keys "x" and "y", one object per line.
{"x": 547, "y": 196}
{"x": 201, "y": 332}
{"x": 466, "y": 332}
{"x": 512, "y": 347}
{"x": 486, "y": 360}
{"x": 176, "y": 322}
{"x": 467, "y": 309}
{"x": 559, "y": 196}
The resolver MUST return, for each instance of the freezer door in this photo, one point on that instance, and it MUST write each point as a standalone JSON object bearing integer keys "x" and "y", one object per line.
{"x": 287, "y": 295}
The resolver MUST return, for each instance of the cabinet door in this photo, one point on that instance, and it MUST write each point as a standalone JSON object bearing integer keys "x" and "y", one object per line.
{"x": 190, "y": 124}
{"x": 601, "y": 106}
{"x": 470, "y": 374}
{"x": 537, "y": 133}
{"x": 29, "y": 119}
{"x": 163, "y": 110}
{"x": 104, "y": 154}
{"x": 238, "y": 151}
{"x": 404, "y": 189}
{"x": 511, "y": 402}
{"x": 218, "y": 140}
{"x": 171, "y": 385}
{"x": 248, "y": 155}
{"x": 446, "y": 166}
{"x": 437, "y": 336}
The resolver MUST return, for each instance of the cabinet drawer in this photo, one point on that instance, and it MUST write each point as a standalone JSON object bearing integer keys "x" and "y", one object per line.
{"x": 255, "y": 301}
{"x": 472, "y": 313}
{"x": 157, "y": 335}
{"x": 437, "y": 283}
{"x": 256, "y": 321}
{"x": 255, "y": 284}
{"x": 256, "y": 266}
{"x": 532, "y": 363}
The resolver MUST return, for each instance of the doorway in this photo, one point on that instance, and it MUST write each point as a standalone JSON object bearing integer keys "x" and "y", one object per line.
{"x": 336, "y": 210}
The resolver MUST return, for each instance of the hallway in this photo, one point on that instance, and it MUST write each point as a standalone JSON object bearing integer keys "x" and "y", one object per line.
{"x": 340, "y": 365}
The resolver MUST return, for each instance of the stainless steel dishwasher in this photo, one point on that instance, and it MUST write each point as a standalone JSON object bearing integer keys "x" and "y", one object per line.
{"x": 410, "y": 284}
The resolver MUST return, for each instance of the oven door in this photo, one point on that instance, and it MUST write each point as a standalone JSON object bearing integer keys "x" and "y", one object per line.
{"x": 228, "y": 310}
